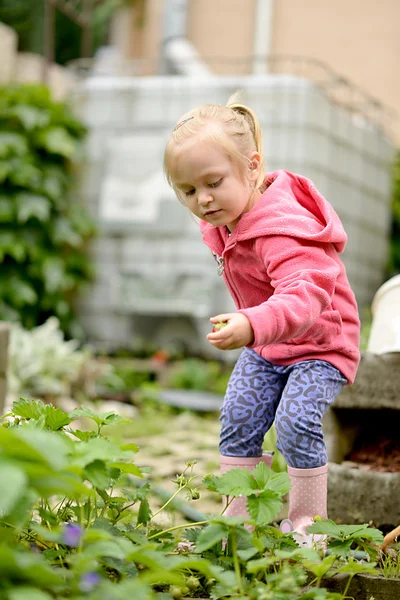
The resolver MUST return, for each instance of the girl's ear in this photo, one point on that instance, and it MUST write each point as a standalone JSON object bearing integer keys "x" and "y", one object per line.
{"x": 254, "y": 166}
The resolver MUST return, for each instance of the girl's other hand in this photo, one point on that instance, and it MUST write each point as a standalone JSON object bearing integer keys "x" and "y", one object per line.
{"x": 237, "y": 333}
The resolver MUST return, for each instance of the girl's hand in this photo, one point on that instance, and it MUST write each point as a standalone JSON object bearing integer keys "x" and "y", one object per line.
{"x": 237, "y": 333}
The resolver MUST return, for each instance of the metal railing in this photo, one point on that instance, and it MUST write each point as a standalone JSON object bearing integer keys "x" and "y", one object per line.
{"x": 339, "y": 89}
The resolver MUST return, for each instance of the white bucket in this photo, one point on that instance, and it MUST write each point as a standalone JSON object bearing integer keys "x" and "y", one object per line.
{"x": 385, "y": 330}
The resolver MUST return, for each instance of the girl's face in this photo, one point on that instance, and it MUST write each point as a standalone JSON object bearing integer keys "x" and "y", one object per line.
{"x": 211, "y": 186}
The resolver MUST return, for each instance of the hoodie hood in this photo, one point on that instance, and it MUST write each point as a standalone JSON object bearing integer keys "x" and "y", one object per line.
{"x": 290, "y": 206}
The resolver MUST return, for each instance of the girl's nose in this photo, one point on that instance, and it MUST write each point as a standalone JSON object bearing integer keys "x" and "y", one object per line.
{"x": 204, "y": 198}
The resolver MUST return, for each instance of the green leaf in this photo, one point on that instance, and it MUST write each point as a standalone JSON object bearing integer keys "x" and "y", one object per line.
{"x": 28, "y": 593}
{"x": 57, "y": 140}
{"x": 12, "y": 144}
{"x": 264, "y": 507}
{"x": 19, "y": 292}
{"x": 130, "y": 446}
{"x": 13, "y": 483}
{"x": 28, "y": 409}
{"x": 32, "y": 206}
{"x": 84, "y": 436}
{"x": 236, "y": 482}
{"x": 262, "y": 474}
{"x": 117, "y": 548}
{"x": 30, "y": 116}
{"x": 344, "y": 532}
{"x": 99, "y": 449}
{"x": 6, "y": 208}
{"x": 61, "y": 484}
{"x": 56, "y": 418}
{"x": 24, "y": 174}
{"x": 355, "y": 567}
{"x": 258, "y": 564}
{"x": 53, "y": 269}
{"x": 11, "y": 245}
{"x": 35, "y": 445}
{"x": 63, "y": 232}
{"x": 326, "y": 527}
{"x": 5, "y": 170}
{"x": 34, "y": 570}
{"x": 90, "y": 414}
{"x": 113, "y": 419}
{"x": 279, "y": 483}
{"x": 320, "y": 568}
{"x": 130, "y": 468}
{"x": 210, "y": 536}
{"x": 96, "y": 473}
{"x": 144, "y": 514}
{"x": 340, "y": 548}
{"x": 268, "y": 479}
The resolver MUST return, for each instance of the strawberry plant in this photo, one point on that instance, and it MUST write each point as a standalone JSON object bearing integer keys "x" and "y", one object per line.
{"x": 78, "y": 520}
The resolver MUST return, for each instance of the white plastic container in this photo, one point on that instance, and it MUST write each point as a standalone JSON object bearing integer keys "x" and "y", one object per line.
{"x": 385, "y": 330}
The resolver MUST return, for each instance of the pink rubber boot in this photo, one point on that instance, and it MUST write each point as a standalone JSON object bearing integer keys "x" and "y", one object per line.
{"x": 307, "y": 498}
{"x": 238, "y": 506}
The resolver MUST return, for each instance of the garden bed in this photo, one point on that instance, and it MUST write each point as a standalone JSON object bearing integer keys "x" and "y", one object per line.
{"x": 365, "y": 587}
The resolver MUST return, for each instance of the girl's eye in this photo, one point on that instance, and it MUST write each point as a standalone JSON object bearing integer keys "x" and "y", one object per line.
{"x": 189, "y": 193}
{"x": 215, "y": 184}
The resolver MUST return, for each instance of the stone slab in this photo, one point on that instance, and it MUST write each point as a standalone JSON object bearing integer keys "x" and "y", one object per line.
{"x": 356, "y": 495}
{"x": 377, "y": 384}
{"x": 365, "y": 587}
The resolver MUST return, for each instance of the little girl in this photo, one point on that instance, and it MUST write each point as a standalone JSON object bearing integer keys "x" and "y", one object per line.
{"x": 276, "y": 242}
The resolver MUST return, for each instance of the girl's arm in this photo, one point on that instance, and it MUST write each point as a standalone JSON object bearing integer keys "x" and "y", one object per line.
{"x": 304, "y": 278}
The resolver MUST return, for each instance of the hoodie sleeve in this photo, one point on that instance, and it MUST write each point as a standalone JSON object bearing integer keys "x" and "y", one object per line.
{"x": 303, "y": 276}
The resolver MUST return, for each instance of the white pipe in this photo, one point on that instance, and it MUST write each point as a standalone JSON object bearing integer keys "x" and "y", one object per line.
{"x": 263, "y": 29}
{"x": 185, "y": 58}
{"x": 177, "y": 49}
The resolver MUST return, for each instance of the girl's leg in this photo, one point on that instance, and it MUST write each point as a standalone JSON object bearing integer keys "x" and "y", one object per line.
{"x": 248, "y": 412}
{"x": 311, "y": 388}
{"x": 250, "y": 403}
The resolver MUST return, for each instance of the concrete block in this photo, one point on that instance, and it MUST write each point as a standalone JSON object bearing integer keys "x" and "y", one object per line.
{"x": 359, "y": 496}
{"x": 29, "y": 68}
{"x": 376, "y": 386}
{"x": 339, "y": 435}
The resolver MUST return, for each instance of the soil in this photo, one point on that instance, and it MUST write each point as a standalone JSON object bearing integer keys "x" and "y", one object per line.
{"x": 379, "y": 454}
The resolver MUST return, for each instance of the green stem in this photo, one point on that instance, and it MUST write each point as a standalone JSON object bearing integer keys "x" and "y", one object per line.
{"x": 236, "y": 562}
{"x": 25, "y": 533}
{"x": 346, "y": 589}
{"x": 168, "y": 501}
{"x": 184, "y": 526}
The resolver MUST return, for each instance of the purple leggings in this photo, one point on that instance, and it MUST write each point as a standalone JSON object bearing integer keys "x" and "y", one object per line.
{"x": 295, "y": 397}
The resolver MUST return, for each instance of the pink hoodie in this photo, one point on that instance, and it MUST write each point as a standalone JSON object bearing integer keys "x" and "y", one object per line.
{"x": 282, "y": 268}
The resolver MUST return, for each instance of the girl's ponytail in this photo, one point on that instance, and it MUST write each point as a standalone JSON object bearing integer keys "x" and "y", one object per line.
{"x": 249, "y": 116}
{"x": 254, "y": 125}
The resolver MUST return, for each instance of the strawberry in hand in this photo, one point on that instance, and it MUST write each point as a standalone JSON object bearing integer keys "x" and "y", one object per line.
{"x": 230, "y": 331}
{"x": 219, "y": 325}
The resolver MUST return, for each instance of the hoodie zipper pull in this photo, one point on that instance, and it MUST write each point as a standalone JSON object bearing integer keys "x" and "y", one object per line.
{"x": 220, "y": 263}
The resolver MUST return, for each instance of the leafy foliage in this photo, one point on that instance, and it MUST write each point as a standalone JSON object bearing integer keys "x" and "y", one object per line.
{"x": 43, "y": 364}
{"x": 43, "y": 229}
{"x": 77, "y": 520}
{"x": 27, "y": 18}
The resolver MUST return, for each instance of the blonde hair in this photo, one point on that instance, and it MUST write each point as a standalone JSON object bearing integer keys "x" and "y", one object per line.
{"x": 233, "y": 127}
